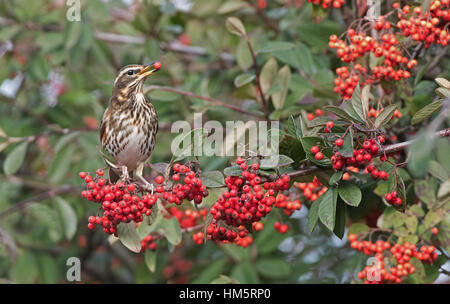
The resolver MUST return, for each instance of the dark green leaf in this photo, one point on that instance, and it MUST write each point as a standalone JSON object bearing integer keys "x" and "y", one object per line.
{"x": 341, "y": 217}
{"x": 129, "y": 237}
{"x": 150, "y": 259}
{"x": 426, "y": 112}
{"x": 327, "y": 208}
{"x": 15, "y": 159}
{"x": 350, "y": 194}
{"x": 272, "y": 268}
{"x": 212, "y": 179}
{"x": 385, "y": 115}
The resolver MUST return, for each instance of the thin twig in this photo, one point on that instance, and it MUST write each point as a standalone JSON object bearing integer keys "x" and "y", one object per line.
{"x": 205, "y": 98}
{"x": 39, "y": 197}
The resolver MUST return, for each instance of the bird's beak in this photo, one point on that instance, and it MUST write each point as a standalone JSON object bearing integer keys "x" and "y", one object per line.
{"x": 148, "y": 70}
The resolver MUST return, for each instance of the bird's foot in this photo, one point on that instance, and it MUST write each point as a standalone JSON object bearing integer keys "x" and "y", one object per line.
{"x": 125, "y": 176}
{"x": 149, "y": 187}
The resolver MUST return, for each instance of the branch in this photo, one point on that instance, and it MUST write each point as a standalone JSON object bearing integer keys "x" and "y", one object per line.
{"x": 39, "y": 197}
{"x": 208, "y": 99}
{"x": 168, "y": 46}
{"x": 387, "y": 149}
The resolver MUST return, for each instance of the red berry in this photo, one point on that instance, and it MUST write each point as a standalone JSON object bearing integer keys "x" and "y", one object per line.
{"x": 159, "y": 179}
{"x": 310, "y": 116}
{"x": 314, "y": 149}
{"x": 83, "y": 175}
{"x": 318, "y": 156}
{"x": 157, "y": 65}
{"x": 330, "y": 125}
{"x": 339, "y": 142}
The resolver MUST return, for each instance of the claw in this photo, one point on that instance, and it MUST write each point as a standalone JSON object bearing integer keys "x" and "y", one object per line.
{"x": 125, "y": 176}
{"x": 147, "y": 185}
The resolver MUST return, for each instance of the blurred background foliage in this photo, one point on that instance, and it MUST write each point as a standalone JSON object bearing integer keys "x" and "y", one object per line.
{"x": 56, "y": 80}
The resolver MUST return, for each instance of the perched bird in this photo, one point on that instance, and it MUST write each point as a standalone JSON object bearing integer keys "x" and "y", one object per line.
{"x": 129, "y": 124}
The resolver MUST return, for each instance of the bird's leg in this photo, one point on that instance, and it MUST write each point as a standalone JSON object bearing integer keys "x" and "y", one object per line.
{"x": 139, "y": 175}
{"x": 125, "y": 176}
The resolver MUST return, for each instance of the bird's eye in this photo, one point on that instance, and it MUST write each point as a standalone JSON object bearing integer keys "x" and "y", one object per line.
{"x": 130, "y": 72}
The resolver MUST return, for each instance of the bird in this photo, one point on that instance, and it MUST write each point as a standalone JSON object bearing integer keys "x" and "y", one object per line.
{"x": 129, "y": 125}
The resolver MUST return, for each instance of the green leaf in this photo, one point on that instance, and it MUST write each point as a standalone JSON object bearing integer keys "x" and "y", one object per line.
{"x": 150, "y": 259}
{"x": 350, "y": 194}
{"x": 283, "y": 79}
{"x": 357, "y": 103}
{"x": 244, "y": 273}
{"x": 443, "y": 92}
{"x": 313, "y": 215}
{"x": 424, "y": 191}
{"x": 223, "y": 279}
{"x": 336, "y": 177}
{"x": 361, "y": 230}
{"x": 231, "y": 6}
{"x": 273, "y": 268}
{"x": 434, "y": 217}
{"x": 420, "y": 152}
{"x": 339, "y": 112}
{"x": 60, "y": 164}
{"x": 15, "y": 158}
{"x": 426, "y": 112}
{"x": 66, "y": 216}
{"x": 275, "y": 161}
{"x": 73, "y": 33}
{"x": 347, "y": 148}
{"x": 327, "y": 208}
{"x": 411, "y": 223}
{"x": 268, "y": 74}
{"x": 341, "y": 219}
{"x": 235, "y": 26}
{"x": 232, "y": 171}
{"x": 64, "y": 140}
{"x": 128, "y": 236}
{"x": 292, "y": 147}
{"x": 385, "y": 115}
{"x": 172, "y": 230}
{"x": 212, "y": 179}
{"x": 436, "y": 170}
{"x": 243, "y": 79}
{"x": 273, "y": 46}
{"x": 442, "y": 82}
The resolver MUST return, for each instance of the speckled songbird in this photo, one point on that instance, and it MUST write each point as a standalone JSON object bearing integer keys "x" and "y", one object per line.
{"x": 129, "y": 125}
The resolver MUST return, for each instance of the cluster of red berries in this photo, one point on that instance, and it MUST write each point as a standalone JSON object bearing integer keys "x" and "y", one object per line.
{"x": 192, "y": 189}
{"x": 362, "y": 156}
{"x": 149, "y": 242}
{"x": 187, "y": 218}
{"x": 378, "y": 273}
{"x": 425, "y": 26}
{"x": 312, "y": 190}
{"x": 289, "y": 206}
{"x": 374, "y": 113}
{"x": 245, "y": 201}
{"x": 327, "y": 3}
{"x": 393, "y": 199}
{"x": 316, "y": 152}
{"x": 119, "y": 202}
{"x": 361, "y": 45}
{"x": 311, "y": 116}
{"x": 198, "y": 237}
{"x": 282, "y": 228}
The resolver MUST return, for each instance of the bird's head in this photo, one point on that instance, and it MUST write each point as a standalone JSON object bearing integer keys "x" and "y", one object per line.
{"x": 130, "y": 79}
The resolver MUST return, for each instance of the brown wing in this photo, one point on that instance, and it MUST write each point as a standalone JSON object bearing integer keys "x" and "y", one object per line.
{"x": 105, "y": 120}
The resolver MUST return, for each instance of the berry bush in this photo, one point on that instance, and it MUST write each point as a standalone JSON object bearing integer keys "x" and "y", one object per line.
{"x": 358, "y": 188}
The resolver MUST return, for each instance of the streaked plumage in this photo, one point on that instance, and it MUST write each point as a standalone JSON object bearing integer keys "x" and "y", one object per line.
{"x": 130, "y": 123}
